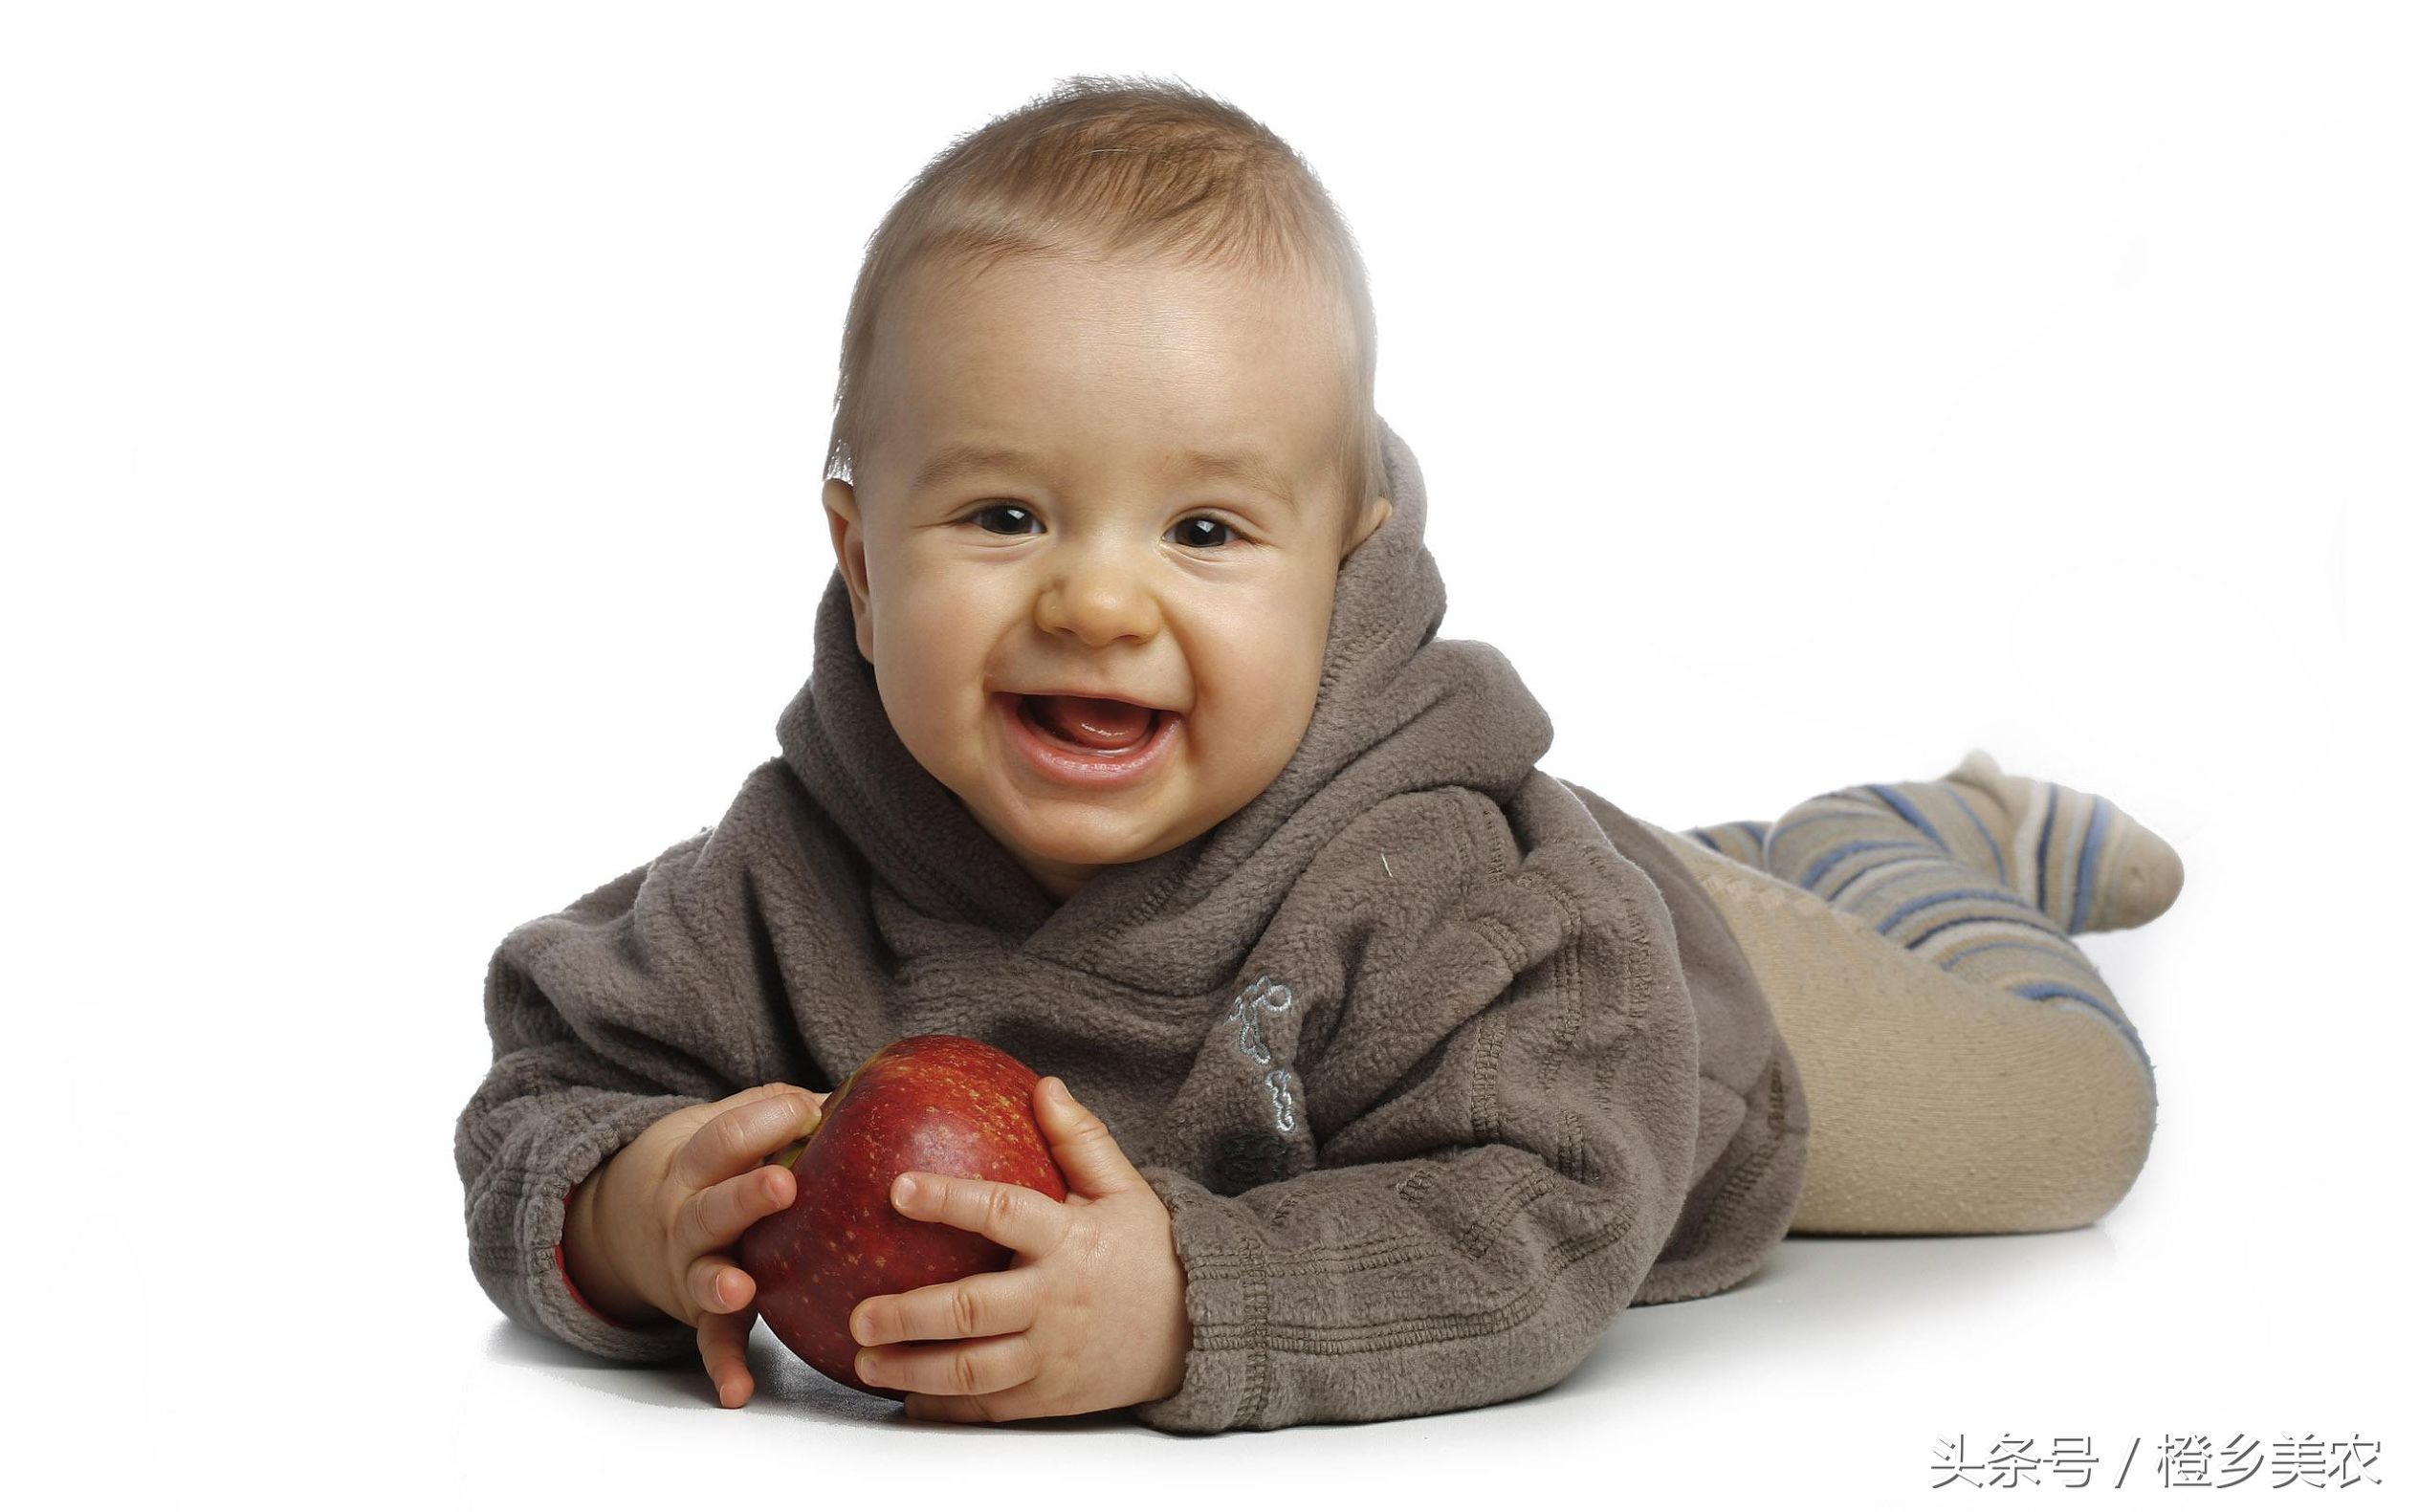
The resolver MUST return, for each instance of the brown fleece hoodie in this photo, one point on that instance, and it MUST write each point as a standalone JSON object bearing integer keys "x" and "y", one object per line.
{"x": 1438, "y": 1062}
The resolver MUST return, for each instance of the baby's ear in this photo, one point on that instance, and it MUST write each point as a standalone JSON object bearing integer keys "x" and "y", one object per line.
{"x": 848, "y": 545}
{"x": 1375, "y": 513}
{"x": 840, "y": 502}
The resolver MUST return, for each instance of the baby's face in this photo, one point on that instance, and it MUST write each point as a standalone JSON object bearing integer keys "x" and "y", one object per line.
{"x": 1098, "y": 558}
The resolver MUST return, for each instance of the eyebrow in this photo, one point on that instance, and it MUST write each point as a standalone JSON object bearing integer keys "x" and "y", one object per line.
{"x": 1247, "y": 467}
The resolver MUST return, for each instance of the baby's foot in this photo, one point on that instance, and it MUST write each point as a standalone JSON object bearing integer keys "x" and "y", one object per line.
{"x": 2079, "y": 858}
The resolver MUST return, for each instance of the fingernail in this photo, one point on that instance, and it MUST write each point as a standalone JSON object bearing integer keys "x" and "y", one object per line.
{"x": 1054, "y": 1088}
{"x": 865, "y": 1366}
{"x": 903, "y": 1190}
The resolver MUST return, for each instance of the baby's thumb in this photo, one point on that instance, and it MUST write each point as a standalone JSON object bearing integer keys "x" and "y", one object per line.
{"x": 1085, "y": 1151}
{"x": 752, "y": 1094}
{"x": 791, "y": 1143}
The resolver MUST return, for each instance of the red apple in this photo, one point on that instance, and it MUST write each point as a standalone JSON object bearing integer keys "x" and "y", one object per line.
{"x": 933, "y": 1101}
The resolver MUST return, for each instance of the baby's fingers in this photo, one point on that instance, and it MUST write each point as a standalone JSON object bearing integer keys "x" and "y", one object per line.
{"x": 738, "y": 1138}
{"x": 718, "y": 1285}
{"x": 722, "y": 1340}
{"x": 714, "y": 1218}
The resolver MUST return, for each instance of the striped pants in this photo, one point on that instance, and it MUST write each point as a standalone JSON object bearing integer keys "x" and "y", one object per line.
{"x": 1966, "y": 1068}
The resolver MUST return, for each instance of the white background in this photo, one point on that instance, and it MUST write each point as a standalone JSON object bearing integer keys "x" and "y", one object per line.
{"x": 411, "y": 427}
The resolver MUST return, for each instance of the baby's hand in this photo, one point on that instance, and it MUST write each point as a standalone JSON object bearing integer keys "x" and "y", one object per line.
{"x": 672, "y": 1203}
{"x": 1089, "y": 1316}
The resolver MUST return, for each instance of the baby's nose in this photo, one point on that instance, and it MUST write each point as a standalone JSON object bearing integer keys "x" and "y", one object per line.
{"x": 1099, "y": 609}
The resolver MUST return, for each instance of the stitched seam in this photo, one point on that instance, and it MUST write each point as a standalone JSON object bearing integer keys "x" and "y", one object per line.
{"x": 1310, "y": 1258}
{"x": 755, "y": 921}
{"x": 1567, "y": 970}
{"x": 1486, "y": 1115}
{"x": 984, "y": 959}
{"x": 1255, "y": 1287}
{"x": 1497, "y": 865}
{"x": 1568, "y": 982}
{"x": 1490, "y": 1223}
{"x": 1367, "y": 1338}
{"x": 1742, "y": 1180}
{"x": 1399, "y": 1252}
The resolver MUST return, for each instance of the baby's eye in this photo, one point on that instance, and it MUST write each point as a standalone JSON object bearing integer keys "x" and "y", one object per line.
{"x": 1000, "y": 509}
{"x": 1206, "y": 520}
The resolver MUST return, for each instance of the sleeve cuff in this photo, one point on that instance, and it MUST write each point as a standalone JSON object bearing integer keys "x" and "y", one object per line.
{"x": 558, "y": 1306}
{"x": 564, "y": 1271}
{"x": 1227, "y": 1381}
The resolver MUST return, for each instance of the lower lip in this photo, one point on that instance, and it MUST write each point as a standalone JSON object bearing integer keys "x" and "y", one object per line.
{"x": 1088, "y": 768}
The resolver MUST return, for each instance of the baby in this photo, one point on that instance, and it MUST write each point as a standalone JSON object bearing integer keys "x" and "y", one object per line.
{"x": 1385, "y": 1070}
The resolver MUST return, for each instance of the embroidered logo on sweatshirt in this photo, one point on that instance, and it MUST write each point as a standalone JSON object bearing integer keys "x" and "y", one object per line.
{"x": 1252, "y": 1006}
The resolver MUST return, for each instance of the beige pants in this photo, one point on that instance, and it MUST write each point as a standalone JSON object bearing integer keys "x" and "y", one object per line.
{"x": 1938, "y": 1105}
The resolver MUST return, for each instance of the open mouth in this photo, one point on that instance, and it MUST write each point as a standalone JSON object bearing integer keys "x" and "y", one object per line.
{"x": 1113, "y": 734}
{"x": 1141, "y": 736}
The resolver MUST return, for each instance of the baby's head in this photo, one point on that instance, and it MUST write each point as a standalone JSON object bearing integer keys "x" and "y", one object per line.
{"x": 1106, "y": 424}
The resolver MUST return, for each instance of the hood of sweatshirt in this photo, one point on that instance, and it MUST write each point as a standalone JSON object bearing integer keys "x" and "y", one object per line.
{"x": 1398, "y": 709}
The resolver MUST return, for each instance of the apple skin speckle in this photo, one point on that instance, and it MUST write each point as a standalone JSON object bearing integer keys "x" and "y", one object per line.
{"x": 937, "y": 1103}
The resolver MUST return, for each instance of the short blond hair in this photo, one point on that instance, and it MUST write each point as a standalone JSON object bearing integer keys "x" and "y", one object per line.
{"x": 1103, "y": 167}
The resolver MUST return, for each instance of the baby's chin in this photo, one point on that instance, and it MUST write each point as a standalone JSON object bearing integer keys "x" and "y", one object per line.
{"x": 1083, "y": 842}
{"x": 1061, "y": 848}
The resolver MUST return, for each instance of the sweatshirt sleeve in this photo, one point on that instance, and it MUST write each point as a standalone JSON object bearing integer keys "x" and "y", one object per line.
{"x": 603, "y": 1017}
{"x": 563, "y": 1268}
{"x": 1508, "y": 1112}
